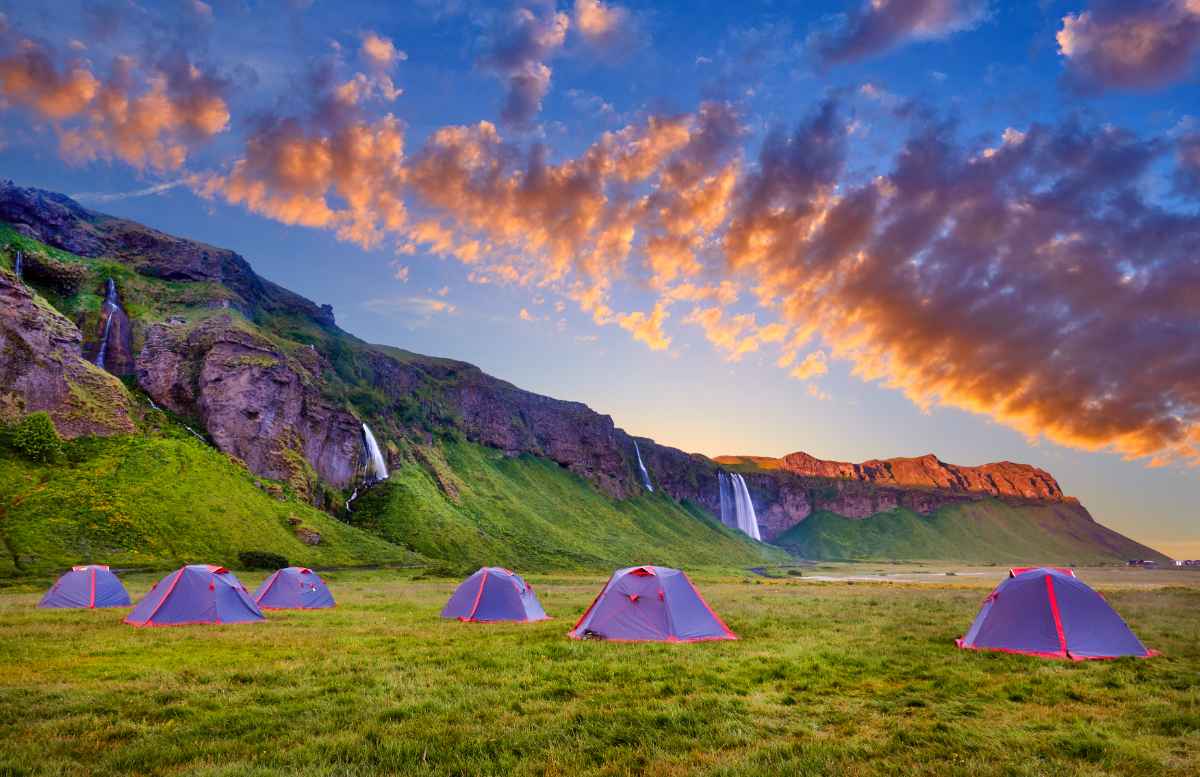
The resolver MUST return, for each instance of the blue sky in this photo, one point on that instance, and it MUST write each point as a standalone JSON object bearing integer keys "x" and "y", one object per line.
{"x": 246, "y": 81}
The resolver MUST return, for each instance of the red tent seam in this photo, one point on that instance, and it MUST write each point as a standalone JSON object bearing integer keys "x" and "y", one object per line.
{"x": 716, "y": 617}
{"x": 165, "y": 595}
{"x": 1058, "y": 626}
{"x": 478, "y": 595}
{"x": 92, "y": 603}
{"x": 274, "y": 577}
{"x": 591, "y": 606}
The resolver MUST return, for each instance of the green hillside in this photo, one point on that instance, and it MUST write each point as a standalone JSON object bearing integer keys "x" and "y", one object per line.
{"x": 159, "y": 501}
{"x": 985, "y": 531}
{"x": 471, "y": 505}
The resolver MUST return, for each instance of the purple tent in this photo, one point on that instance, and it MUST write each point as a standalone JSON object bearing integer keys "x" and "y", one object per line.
{"x": 199, "y": 593}
{"x": 494, "y": 594}
{"x": 293, "y": 588}
{"x": 1049, "y": 612}
{"x": 650, "y": 604}
{"x": 89, "y": 586}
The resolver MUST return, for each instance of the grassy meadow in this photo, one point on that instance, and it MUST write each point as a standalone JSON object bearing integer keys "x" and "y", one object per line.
{"x": 829, "y": 678}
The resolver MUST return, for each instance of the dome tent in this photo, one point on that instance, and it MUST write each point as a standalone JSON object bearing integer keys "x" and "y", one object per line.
{"x": 1049, "y": 612}
{"x": 89, "y": 586}
{"x": 650, "y": 604}
{"x": 293, "y": 588}
{"x": 199, "y": 593}
{"x": 494, "y": 594}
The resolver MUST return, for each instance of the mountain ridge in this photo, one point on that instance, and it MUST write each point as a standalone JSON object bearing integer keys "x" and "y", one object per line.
{"x": 999, "y": 478}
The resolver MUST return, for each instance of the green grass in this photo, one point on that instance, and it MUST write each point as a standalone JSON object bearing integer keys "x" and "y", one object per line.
{"x": 988, "y": 530}
{"x": 528, "y": 512}
{"x": 158, "y": 501}
{"x": 827, "y": 679}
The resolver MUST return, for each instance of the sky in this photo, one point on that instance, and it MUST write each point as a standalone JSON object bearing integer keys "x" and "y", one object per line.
{"x": 861, "y": 230}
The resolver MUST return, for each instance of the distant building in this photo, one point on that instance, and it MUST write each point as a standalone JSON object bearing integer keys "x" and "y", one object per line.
{"x": 1142, "y": 562}
{"x": 1191, "y": 562}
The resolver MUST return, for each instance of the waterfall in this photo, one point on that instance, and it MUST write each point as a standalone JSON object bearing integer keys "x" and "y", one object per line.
{"x": 19, "y": 264}
{"x": 737, "y": 509}
{"x": 728, "y": 511}
{"x": 378, "y": 467}
{"x": 112, "y": 303}
{"x": 642, "y": 467}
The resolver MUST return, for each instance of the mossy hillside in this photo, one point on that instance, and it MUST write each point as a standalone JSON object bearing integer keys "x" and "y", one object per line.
{"x": 529, "y": 513}
{"x": 986, "y": 531}
{"x": 352, "y": 383}
{"x": 159, "y": 501}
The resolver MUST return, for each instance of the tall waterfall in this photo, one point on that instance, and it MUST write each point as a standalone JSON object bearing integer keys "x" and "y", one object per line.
{"x": 112, "y": 304}
{"x": 737, "y": 510}
{"x": 642, "y": 467}
{"x": 378, "y": 467}
{"x": 19, "y": 263}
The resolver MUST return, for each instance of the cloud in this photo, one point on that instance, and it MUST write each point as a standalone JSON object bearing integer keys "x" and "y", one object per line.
{"x": 148, "y": 115}
{"x": 332, "y": 168}
{"x": 606, "y": 28}
{"x": 1040, "y": 278}
{"x": 738, "y": 334}
{"x": 148, "y": 191}
{"x": 523, "y": 40}
{"x": 1187, "y": 173}
{"x": 1036, "y": 284}
{"x": 647, "y": 328}
{"x": 400, "y": 271}
{"x": 881, "y": 25}
{"x": 811, "y": 366}
{"x": 30, "y": 77}
{"x": 1130, "y": 44}
{"x": 421, "y": 308}
{"x": 379, "y": 52}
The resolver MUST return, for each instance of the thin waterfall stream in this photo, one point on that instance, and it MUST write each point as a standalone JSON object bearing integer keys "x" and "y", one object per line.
{"x": 642, "y": 467}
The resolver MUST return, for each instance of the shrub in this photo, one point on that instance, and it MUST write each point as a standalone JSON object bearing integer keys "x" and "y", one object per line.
{"x": 261, "y": 559}
{"x": 36, "y": 437}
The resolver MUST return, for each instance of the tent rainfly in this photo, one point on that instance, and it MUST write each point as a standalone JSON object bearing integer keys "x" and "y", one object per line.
{"x": 494, "y": 594}
{"x": 650, "y": 604}
{"x": 1049, "y": 612}
{"x": 199, "y": 593}
{"x": 87, "y": 587}
{"x": 293, "y": 588}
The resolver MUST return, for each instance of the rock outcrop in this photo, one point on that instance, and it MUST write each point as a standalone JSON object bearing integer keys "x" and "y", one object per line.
{"x": 59, "y": 221}
{"x": 42, "y": 368}
{"x": 256, "y": 403}
{"x": 1003, "y": 478}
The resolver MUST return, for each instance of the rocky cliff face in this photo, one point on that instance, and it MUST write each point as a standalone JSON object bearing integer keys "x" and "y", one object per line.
{"x": 1000, "y": 479}
{"x": 255, "y": 402}
{"x": 59, "y": 221}
{"x": 42, "y": 368}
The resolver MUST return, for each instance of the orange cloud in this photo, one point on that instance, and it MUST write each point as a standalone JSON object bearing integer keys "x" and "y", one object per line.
{"x": 647, "y": 328}
{"x": 813, "y": 365}
{"x": 379, "y": 52}
{"x": 144, "y": 115}
{"x": 30, "y": 78}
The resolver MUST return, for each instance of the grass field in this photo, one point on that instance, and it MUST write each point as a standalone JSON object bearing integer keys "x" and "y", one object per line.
{"x": 829, "y": 678}
{"x": 988, "y": 530}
